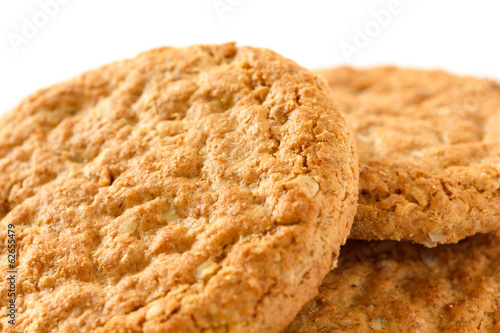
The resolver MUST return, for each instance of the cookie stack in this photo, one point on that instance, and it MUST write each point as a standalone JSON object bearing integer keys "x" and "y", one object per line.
{"x": 429, "y": 154}
{"x": 212, "y": 189}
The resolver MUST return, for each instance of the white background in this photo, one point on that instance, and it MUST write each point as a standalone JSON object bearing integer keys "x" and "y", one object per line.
{"x": 459, "y": 36}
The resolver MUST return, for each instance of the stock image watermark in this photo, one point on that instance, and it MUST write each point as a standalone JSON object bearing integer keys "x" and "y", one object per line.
{"x": 466, "y": 107}
{"x": 364, "y": 35}
{"x": 11, "y": 274}
{"x": 472, "y": 104}
{"x": 33, "y": 24}
{"x": 223, "y": 7}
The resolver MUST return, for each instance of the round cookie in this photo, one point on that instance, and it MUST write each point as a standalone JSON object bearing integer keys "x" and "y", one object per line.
{"x": 184, "y": 190}
{"x": 429, "y": 149}
{"x": 388, "y": 286}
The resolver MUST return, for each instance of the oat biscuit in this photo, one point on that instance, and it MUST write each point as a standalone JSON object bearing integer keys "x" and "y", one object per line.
{"x": 389, "y": 286}
{"x": 429, "y": 146}
{"x": 184, "y": 190}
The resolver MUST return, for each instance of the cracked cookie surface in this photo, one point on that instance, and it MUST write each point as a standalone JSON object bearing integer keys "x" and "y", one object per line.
{"x": 429, "y": 148}
{"x": 184, "y": 190}
{"x": 389, "y": 286}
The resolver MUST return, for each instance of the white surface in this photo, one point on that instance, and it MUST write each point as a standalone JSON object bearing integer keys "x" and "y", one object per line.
{"x": 460, "y": 36}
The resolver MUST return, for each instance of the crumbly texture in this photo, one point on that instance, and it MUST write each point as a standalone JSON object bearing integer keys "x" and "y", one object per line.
{"x": 429, "y": 145}
{"x": 389, "y": 286}
{"x": 201, "y": 189}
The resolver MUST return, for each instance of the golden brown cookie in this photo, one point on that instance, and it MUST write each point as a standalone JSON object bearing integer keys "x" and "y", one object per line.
{"x": 389, "y": 286}
{"x": 429, "y": 145}
{"x": 184, "y": 190}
